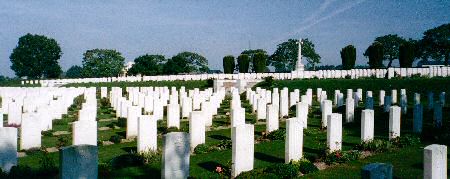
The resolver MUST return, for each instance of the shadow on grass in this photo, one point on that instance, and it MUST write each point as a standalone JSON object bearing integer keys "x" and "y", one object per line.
{"x": 129, "y": 149}
{"x": 219, "y": 137}
{"x": 209, "y": 165}
{"x": 268, "y": 158}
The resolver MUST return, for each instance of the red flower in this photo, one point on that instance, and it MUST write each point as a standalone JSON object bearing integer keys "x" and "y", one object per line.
{"x": 219, "y": 169}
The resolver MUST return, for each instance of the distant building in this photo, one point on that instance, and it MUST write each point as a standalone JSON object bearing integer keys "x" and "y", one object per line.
{"x": 127, "y": 67}
{"x": 430, "y": 64}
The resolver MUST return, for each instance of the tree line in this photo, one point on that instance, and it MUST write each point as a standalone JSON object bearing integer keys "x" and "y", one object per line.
{"x": 37, "y": 56}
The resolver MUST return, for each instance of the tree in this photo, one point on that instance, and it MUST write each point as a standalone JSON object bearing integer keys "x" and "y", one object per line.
{"x": 243, "y": 63}
{"x": 375, "y": 54}
{"x": 259, "y": 62}
{"x": 186, "y": 62}
{"x": 251, "y": 54}
{"x": 228, "y": 64}
{"x": 148, "y": 65}
{"x": 348, "y": 56}
{"x": 102, "y": 63}
{"x": 285, "y": 56}
{"x": 74, "y": 72}
{"x": 406, "y": 54}
{"x": 36, "y": 56}
{"x": 436, "y": 43}
{"x": 391, "y": 44}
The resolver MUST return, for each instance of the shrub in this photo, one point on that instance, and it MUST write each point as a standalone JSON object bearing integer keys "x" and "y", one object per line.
{"x": 104, "y": 170}
{"x": 304, "y": 166}
{"x": 209, "y": 82}
{"x": 201, "y": 149}
{"x": 48, "y": 133}
{"x": 342, "y": 156}
{"x": 126, "y": 160}
{"x": 63, "y": 140}
{"x": 256, "y": 173}
{"x": 225, "y": 144}
{"x": 151, "y": 156}
{"x": 282, "y": 170}
{"x": 122, "y": 122}
{"x": 104, "y": 102}
{"x": 21, "y": 171}
{"x": 406, "y": 140}
{"x": 116, "y": 138}
{"x": 376, "y": 145}
{"x": 279, "y": 134}
{"x": 47, "y": 165}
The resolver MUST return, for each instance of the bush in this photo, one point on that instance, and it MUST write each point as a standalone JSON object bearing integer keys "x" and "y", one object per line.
{"x": 342, "y": 156}
{"x": 304, "y": 166}
{"x": 104, "y": 170}
{"x": 406, "y": 140}
{"x": 209, "y": 82}
{"x": 63, "y": 141}
{"x": 151, "y": 156}
{"x": 201, "y": 149}
{"x": 225, "y": 144}
{"x": 126, "y": 160}
{"x": 279, "y": 134}
{"x": 48, "y": 133}
{"x": 122, "y": 122}
{"x": 116, "y": 138}
{"x": 21, "y": 171}
{"x": 104, "y": 102}
{"x": 256, "y": 173}
{"x": 376, "y": 145}
{"x": 47, "y": 165}
{"x": 282, "y": 170}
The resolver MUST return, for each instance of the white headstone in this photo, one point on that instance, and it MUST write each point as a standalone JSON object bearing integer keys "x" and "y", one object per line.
{"x": 394, "y": 122}
{"x": 132, "y": 121}
{"x": 349, "y": 110}
{"x": 175, "y": 166}
{"x": 326, "y": 110}
{"x": 272, "y": 118}
{"x": 196, "y": 128}
{"x": 334, "y": 132}
{"x": 294, "y": 140}
{"x": 8, "y": 148}
{"x": 173, "y": 115}
{"x": 243, "y": 149}
{"x": 435, "y": 162}
{"x": 30, "y": 135}
{"x": 84, "y": 132}
{"x": 147, "y": 134}
{"x": 367, "y": 125}
{"x": 302, "y": 113}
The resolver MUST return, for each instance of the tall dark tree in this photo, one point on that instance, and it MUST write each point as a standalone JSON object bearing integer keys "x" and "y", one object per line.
{"x": 243, "y": 63}
{"x": 228, "y": 64}
{"x": 251, "y": 54}
{"x": 36, "y": 56}
{"x": 436, "y": 43}
{"x": 348, "y": 56}
{"x": 375, "y": 53}
{"x": 74, "y": 72}
{"x": 259, "y": 62}
{"x": 148, "y": 65}
{"x": 102, "y": 63}
{"x": 186, "y": 62}
{"x": 406, "y": 54}
{"x": 285, "y": 56}
{"x": 391, "y": 44}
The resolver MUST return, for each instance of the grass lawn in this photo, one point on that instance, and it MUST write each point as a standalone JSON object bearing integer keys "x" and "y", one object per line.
{"x": 407, "y": 161}
{"x": 178, "y": 83}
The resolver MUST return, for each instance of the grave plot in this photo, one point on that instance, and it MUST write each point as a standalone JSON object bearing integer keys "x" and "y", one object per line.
{"x": 238, "y": 134}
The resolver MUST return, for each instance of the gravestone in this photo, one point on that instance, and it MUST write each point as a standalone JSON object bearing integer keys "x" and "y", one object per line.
{"x": 430, "y": 100}
{"x": 272, "y": 118}
{"x": 367, "y": 125}
{"x": 103, "y": 92}
{"x": 435, "y": 162}
{"x": 387, "y": 103}
{"x": 369, "y": 103}
{"x": 196, "y": 128}
{"x": 416, "y": 98}
{"x": 417, "y": 118}
{"x": 8, "y": 148}
{"x": 326, "y": 110}
{"x": 261, "y": 111}
{"x": 84, "y": 133}
{"x": 302, "y": 113}
{"x": 442, "y": 98}
{"x": 394, "y": 96}
{"x": 132, "y": 121}
{"x": 294, "y": 140}
{"x": 381, "y": 97}
{"x": 147, "y": 134}
{"x": 173, "y": 115}
{"x": 30, "y": 134}
{"x": 403, "y": 103}
{"x": 242, "y": 149}
{"x": 158, "y": 109}
{"x": 437, "y": 115}
{"x": 284, "y": 103}
{"x": 79, "y": 161}
{"x": 186, "y": 108}
{"x": 349, "y": 110}
{"x": 334, "y": 132}
{"x": 377, "y": 171}
{"x": 175, "y": 156}
{"x": 237, "y": 116}
{"x": 394, "y": 122}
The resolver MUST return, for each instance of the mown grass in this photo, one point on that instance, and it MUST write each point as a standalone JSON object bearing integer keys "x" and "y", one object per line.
{"x": 178, "y": 83}
{"x": 407, "y": 161}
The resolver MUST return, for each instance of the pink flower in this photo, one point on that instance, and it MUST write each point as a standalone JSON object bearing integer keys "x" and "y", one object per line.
{"x": 219, "y": 169}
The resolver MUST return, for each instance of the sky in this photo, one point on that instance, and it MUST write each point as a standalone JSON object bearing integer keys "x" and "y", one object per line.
{"x": 212, "y": 28}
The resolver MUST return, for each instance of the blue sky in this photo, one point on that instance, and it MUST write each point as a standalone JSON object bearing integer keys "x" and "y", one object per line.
{"x": 212, "y": 28}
